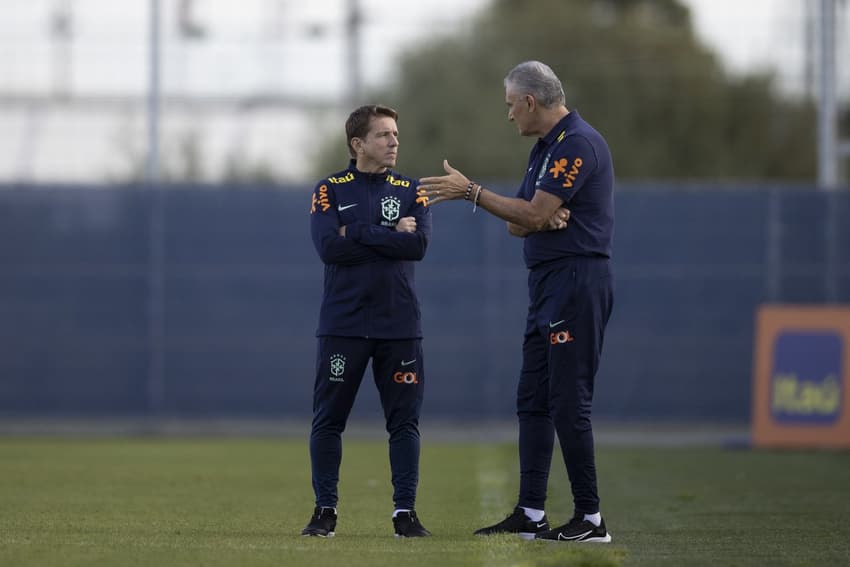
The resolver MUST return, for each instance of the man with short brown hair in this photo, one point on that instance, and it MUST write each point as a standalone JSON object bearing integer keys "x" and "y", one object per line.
{"x": 370, "y": 226}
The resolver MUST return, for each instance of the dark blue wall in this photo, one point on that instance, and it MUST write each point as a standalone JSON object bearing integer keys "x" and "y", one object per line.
{"x": 202, "y": 302}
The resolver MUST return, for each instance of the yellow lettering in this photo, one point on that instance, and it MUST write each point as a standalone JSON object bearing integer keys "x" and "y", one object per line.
{"x": 345, "y": 179}
{"x": 397, "y": 182}
{"x": 802, "y": 397}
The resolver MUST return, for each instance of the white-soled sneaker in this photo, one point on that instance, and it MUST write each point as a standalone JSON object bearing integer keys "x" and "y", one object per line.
{"x": 578, "y": 529}
{"x": 517, "y": 523}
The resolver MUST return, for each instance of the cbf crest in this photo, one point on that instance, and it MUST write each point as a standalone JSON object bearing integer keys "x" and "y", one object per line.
{"x": 337, "y": 367}
{"x": 390, "y": 209}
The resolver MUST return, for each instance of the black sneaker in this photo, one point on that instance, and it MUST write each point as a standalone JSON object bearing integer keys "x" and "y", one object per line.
{"x": 577, "y": 529}
{"x": 516, "y": 523}
{"x": 322, "y": 524}
{"x": 407, "y": 524}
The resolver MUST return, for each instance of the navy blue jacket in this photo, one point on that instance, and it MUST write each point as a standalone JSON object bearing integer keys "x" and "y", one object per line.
{"x": 369, "y": 273}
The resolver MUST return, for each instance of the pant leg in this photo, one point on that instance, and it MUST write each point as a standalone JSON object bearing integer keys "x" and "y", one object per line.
{"x": 575, "y": 349}
{"x": 340, "y": 364}
{"x": 536, "y": 432}
{"x": 399, "y": 370}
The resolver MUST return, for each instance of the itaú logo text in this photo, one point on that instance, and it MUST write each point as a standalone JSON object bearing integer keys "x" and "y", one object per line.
{"x": 560, "y": 338}
{"x": 405, "y": 378}
{"x": 792, "y": 396}
{"x": 393, "y": 181}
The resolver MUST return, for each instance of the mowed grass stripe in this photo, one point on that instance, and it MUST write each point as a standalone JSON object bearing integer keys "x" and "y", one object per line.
{"x": 243, "y": 502}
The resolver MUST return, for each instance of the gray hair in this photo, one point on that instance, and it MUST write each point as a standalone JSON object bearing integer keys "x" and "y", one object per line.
{"x": 539, "y": 80}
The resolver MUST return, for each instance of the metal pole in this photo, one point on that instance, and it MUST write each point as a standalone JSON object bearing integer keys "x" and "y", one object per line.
{"x": 827, "y": 113}
{"x": 352, "y": 52}
{"x": 832, "y": 259}
{"x": 810, "y": 39}
{"x": 773, "y": 248}
{"x": 152, "y": 162}
{"x": 61, "y": 36}
{"x": 155, "y": 383}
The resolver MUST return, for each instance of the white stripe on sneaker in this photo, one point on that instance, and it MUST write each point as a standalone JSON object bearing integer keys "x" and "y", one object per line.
{"x": 562, "y": 537}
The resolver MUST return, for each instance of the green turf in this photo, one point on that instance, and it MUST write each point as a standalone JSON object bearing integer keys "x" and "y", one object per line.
{"x": 244, "y": 502}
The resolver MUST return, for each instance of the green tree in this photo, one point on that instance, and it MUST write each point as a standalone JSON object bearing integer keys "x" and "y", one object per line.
{"x": 633, "y": 68}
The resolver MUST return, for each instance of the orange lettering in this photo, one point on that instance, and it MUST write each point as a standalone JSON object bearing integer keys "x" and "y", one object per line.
{"x": 560, "y": 338}
{"x": 322, "y": 199}
{"x": 571, "y": 176}
{"x": 405, "y": 378}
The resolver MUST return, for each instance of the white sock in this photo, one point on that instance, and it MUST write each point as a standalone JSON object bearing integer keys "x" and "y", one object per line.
{"x": 400, "y": 510}
{"x": 594, "y": 519}
{"x": 533, "y": 514}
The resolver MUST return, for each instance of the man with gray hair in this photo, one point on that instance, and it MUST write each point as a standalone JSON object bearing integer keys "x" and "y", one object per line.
{"x": 564, "y": 211}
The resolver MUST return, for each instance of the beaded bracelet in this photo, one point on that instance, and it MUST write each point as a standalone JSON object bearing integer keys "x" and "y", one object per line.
{"x": 468, "y": 190}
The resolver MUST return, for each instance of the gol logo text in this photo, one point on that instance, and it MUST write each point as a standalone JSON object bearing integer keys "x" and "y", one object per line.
{"x": 405, "y": 378}
{"x": 560, "y": 337}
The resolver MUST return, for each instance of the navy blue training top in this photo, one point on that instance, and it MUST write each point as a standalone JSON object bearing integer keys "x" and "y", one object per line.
{"x": 572, "y": 162}
{"x": 369, "y": 288}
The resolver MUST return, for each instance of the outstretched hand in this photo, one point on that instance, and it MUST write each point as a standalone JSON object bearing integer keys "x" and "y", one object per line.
{"x": 444, "y": 188}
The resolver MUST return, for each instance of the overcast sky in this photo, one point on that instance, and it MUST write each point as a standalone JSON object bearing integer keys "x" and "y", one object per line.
{"x": 294, "y": 48}
{"x": 277, "y": 45}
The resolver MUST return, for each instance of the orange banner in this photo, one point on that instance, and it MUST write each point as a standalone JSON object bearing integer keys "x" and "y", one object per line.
{"x": 801, "y": 379}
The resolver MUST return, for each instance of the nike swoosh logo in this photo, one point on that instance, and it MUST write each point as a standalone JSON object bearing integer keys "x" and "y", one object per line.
{"x": 555, "y": 324}
{"x": 541, "y": 525}
{"x": 407, "y": 362}
{"x": 343, "y": 207}
{"x": 579, "y": 536}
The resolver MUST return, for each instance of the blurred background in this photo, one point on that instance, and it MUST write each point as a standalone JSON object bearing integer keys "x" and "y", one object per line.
{"x": 157, "y": 159}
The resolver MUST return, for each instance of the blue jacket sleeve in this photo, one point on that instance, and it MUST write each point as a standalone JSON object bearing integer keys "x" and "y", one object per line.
{"x": 392, "y": 244}
{"x": 324, "y": 228}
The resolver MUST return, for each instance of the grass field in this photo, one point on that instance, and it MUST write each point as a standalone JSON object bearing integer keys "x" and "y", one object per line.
{"x": 243, "y": 502}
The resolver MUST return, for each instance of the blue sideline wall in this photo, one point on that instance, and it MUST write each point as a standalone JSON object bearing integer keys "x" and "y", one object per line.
{"x": 202, "y": 302}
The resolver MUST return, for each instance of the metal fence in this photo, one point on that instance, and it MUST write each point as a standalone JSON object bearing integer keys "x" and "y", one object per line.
{"x": 202, "y": 302}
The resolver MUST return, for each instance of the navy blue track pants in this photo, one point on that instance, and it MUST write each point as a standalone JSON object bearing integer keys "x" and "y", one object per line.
{"x": 570, "y": 301}
{"x": 399, "y": 373}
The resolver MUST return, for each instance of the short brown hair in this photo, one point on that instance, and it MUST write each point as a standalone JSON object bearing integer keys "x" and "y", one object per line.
{"x": 357, "y": 125}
